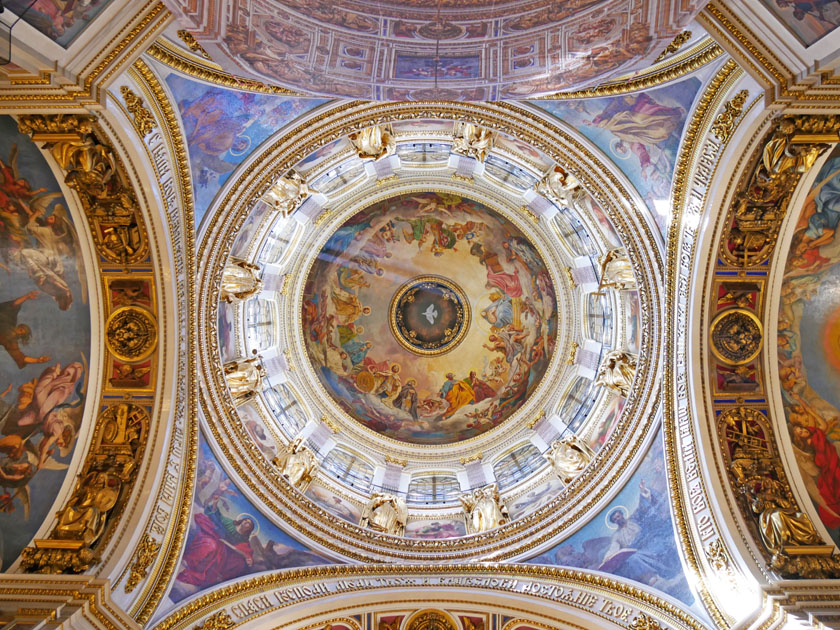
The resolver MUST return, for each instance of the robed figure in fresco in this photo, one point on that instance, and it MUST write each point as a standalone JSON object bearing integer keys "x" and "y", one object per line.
{"x": 218, "y": 548}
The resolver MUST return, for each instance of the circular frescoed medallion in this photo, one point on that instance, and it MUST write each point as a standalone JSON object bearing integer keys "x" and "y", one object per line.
{"x": 404, "y": 281}
{"x": 429, "y": 315}
{"x": 736, "y": 336}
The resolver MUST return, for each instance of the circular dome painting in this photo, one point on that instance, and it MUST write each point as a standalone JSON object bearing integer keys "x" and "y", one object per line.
{"x": 429, "y": 317}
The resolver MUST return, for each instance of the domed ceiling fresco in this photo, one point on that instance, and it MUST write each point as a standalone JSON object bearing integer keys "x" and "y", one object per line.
{"x": 430, "y": 318}
{"x": 809, "y": 343}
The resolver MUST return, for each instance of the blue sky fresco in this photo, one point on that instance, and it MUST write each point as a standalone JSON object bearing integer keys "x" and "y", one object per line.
{"x": 640, "y": 132}
{"x": 223, "y": 127}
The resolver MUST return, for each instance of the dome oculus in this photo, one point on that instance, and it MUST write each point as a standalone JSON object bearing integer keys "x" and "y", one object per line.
{"x": 398, "y": 286}
{"x": 429, "y": 315}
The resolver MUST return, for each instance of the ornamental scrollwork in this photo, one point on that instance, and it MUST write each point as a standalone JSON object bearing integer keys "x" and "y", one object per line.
{"x": 94, "y": 170}
{"x": 146, "y": 552}
{"x": 220, "y": 621}
{"x": 102, "y": 487}
{"x": 724, "y": 124}
{"x": 144, "y": 122}
{"x": 678, "y": 42}
{"x": 757, "y": 211}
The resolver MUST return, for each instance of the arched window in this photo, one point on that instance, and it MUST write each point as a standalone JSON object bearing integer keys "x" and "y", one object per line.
{"x": 349, "y": 468}
{"x": 284, "y": 406}
{"x": 598, "y": 318}
{"x": 518, "y": 464}
{"x": 434, "y": 488}
{"x": 259, "y": 323}
{"x": 577, "y": 403}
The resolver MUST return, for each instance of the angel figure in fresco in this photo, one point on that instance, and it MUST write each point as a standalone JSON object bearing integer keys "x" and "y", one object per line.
{"x": 32, "y": 241}
{"x": 43, "y": 407}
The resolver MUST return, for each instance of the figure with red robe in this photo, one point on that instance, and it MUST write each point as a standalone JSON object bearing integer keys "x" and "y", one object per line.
{"x": 218, "y": 549}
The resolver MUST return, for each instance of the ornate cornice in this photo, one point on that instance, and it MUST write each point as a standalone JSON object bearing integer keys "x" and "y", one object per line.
{"x": 87, "y": 92}
{"x": 613, "y": 601}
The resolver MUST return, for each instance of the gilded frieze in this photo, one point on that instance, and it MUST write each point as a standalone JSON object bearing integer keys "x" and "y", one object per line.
{"x": 792, "y": 546}
{"x": 94, "y": 170}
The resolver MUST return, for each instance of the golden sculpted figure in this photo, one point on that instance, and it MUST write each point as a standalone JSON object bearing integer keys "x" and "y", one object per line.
{"x": 239, "y": 281}
{"x": 296, "y": 463}
{"x": 616, "y": 372}
{"x": 374, "y": 142}
{"x": 244, "y": 378}
{"x": 472, "y": 140}
{"x": 781, "y": 525}
{"x": 569, "y": 456}
{"x": 616, "y": 272}
{"x": 288, "y": 193}
{"x": 559, "y": 185}
{"x": 84, "y": 516}
{"x": 385, "y": 513}
{"x": 484, "y": 509}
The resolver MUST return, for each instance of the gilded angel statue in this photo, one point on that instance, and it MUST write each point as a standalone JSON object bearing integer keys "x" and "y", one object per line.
{"x": 385, "y": 513}
{"x": 569, "y": 456}
{"x": 616, "y": 372}
{"x": 471, "y": 140}
{"x": 560, "y": 185}
{"x": 296, "y": 463}
{"x": 288, "y": 193}
{"x": 484, "y": 509}
{"x": 239, "y": 281}
{"x": 374, "y": 142}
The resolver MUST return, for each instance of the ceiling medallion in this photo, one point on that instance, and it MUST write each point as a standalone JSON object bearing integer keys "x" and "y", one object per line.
{"x": 131, "y": 333}
{"x": 736, "y": 336}
{"x": 429, "y": 315}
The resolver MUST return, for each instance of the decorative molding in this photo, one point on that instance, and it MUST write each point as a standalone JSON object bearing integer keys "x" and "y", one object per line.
{"x": 674, "y": 46}
{"x": 144, "y": 122}
{"x": 143, "y": 558}
{"x": 725, "y": 123}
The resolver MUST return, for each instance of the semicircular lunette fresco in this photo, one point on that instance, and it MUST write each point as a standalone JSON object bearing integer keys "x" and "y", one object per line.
{"x": 359, "y": 324}
{"x": 45, "y": 339}
{"x": 809, "y": 343}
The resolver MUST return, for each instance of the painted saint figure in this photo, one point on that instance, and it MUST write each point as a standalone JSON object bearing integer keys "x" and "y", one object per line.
{"x": 13, "y": 335}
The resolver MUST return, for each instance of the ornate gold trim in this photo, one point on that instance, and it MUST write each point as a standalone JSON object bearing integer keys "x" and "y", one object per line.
{"x": 213, "y": 74}
{"x": 709, "y": 102}
{"x": 709, "y": 53}
{"x": 576, "y": 580}
{"x": 89, "y": 92}
{"x": 154, "y": 588}
{"x": 329, "y": 531}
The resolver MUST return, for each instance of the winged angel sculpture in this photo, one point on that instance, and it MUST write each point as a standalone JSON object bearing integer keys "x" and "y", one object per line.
{"x": 484, "y": 509}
